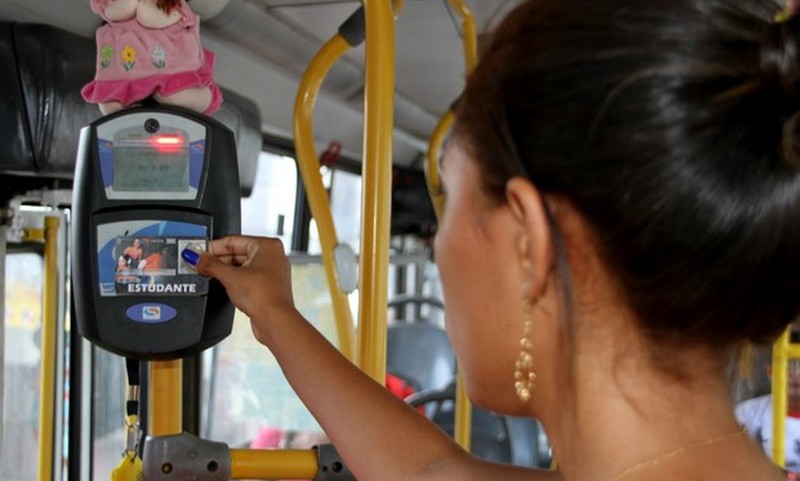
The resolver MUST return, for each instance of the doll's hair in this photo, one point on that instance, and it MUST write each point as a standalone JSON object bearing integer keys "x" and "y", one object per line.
{"x": 167, "y": 5}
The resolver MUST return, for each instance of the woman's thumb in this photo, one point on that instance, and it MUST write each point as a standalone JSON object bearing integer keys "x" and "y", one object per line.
{"x": 204, "y": 263}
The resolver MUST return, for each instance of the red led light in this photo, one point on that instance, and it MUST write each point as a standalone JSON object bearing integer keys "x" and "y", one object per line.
{"x": 167, "y": 142}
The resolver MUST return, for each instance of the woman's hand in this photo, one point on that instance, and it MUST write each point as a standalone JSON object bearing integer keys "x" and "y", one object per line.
{"x": 256, "y": 274}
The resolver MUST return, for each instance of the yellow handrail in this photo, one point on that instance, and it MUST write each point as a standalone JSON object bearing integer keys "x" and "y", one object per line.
{"x": 432, "y": 165}
{"x": 463, "y": 427}
{"x": 319, "y": 204}
{"x": 273, "y": 464}
{"x": 48, "y": 343}
{"x": 470, "y": 34}
{"x": 376, "y": 194}
{"x": 470, "y": 42}
{"x": 463, "y": 421}
{"x": 166, "y": 397}
{"x": 375, "y": 232}
{"x": 782, "y": 351}
{"x": 398, "y": 7}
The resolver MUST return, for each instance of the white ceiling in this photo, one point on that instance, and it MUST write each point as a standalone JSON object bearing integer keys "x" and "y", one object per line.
{"x": 263, "y": 46}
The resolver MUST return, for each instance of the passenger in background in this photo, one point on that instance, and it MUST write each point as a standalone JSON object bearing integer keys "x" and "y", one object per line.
{"x": 622, "y": 213}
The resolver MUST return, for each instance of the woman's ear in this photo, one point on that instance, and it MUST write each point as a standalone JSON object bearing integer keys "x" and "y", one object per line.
{"x": 534, "y": 243}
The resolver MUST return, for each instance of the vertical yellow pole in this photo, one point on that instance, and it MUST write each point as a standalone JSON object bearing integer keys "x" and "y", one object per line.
{"x": 780, "y": 357}
{"x": 48, "y": 346}
{"x": 166, "y": 397}
{"x": 377, "y": 175}
{"x": 463, "y": 427}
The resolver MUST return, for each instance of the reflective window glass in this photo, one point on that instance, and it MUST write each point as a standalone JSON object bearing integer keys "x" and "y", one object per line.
{"x": 21, "y": 366}
{"x": 269, "y": 210}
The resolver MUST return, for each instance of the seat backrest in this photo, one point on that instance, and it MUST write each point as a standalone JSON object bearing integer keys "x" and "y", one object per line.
{"x": 421, "y": 354}
{"x": 490, "y": 438}
{"x": 489, "y": 435}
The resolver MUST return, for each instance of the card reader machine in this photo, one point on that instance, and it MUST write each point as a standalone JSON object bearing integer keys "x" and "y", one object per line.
{"x": 148, "y": 183}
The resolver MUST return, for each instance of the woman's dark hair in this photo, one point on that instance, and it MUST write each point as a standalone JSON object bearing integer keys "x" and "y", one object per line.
{"x": 671, "y": 125}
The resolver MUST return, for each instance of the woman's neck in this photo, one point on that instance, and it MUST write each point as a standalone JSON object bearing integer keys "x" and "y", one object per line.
{"x": 612, "y": 403}
{"x": 620, "y": 413}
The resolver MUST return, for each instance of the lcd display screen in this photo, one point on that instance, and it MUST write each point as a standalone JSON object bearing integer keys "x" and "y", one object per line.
{"x": 157, "y": 164}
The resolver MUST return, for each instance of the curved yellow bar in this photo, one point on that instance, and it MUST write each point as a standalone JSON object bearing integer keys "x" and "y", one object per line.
{"x": 308, "y": 163}
{"x": 166, "y": 397}
{"x": 470, "y": 33}
{"x": 463, "y": 421}
{"x": 432, "y": 165}
{"x": 398, "y": 7}
{"x": 49, "y": 334}
{"x": 446, "y": 122}
{"x": 376, "y": 194}
{"x": 273, "y": 464}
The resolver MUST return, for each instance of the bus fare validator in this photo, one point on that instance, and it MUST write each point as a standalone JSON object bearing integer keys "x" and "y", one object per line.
{"x": 148, "y": 183}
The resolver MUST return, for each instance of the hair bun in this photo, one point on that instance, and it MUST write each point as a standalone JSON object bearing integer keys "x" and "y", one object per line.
{"x": 780, "y": 67}
{"x": 780, "y": 56}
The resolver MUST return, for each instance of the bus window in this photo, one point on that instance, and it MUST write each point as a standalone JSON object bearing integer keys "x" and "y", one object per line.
{"x": 346, "y": 208}
{"x": 248, "y": 402}
{"x": 22, "y": 366}
{"x": 269, "y": 211}
{"x": 108, "y": 411}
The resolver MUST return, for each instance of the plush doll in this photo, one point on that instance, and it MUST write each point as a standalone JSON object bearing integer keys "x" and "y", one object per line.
{"x": 151, "y": 48}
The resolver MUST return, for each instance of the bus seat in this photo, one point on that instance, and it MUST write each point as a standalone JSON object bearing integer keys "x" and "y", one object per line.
{"x": 421, "y": 354}
{"x": 43, "y": 69}
{"x": 529, "y": 446}
{"x": 490, "y": 438}
{"x": 493, "y": 437}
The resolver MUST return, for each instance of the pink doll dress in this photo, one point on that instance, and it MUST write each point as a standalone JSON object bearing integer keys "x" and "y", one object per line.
{"x": 134, "y": 61}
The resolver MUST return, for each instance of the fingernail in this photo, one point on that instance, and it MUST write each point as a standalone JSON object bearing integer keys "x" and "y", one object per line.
{"x": 190, "y": 255}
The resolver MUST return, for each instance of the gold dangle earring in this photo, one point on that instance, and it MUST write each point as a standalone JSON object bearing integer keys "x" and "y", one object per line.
{"x": 791, "y": 9}
{"x": 524, "y": 375}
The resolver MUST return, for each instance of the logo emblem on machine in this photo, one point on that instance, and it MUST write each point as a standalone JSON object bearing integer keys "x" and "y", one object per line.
{"x": 151, "y": 313}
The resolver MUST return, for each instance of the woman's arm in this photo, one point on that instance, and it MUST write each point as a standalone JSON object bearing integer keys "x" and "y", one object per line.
{"x": 378, "y": 435}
